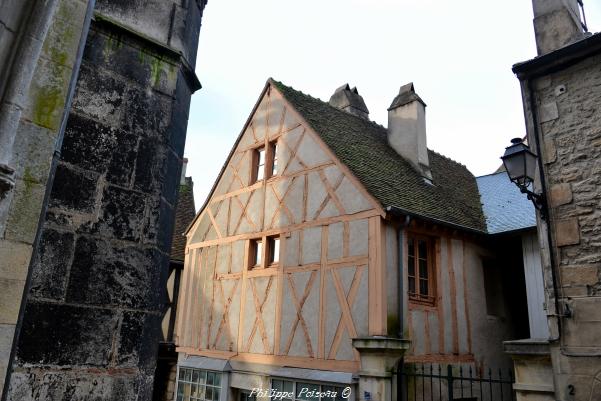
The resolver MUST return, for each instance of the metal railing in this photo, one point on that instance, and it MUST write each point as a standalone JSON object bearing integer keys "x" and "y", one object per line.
{"x": 434, "y": 382}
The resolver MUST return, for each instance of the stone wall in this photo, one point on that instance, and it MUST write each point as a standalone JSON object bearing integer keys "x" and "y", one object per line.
{"x": 569, "y": 111}
{"x": 35, "y": 88}
{"x": 91, "y": 324}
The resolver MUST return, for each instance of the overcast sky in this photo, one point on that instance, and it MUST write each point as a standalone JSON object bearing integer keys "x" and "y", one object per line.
{"x": 457, "y": 53}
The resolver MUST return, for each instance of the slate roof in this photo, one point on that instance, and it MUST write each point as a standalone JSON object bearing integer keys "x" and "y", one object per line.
{"x": 184, "y": 214}
{"x": 362, "y": 146}
{"x": 505, "y": 207}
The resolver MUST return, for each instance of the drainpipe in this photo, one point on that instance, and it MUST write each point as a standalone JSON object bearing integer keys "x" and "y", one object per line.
{"x": 558, "y": 314}
{"x": 400, "y": 284}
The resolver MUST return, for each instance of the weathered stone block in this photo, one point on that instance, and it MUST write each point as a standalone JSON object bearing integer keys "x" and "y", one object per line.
{"x": 50, "y": 267}
{"x": 11, "y": 292}
{"x": 73, "y": 189}
{"x": 137, "y": 340}
{"x": 579, "y": 275}
{"x": 149, "y": 167}
{"x": 15, "y": 258}
{"x": 48, "y": 94}
{"x": 85, "y": 335}
{"x": 146, "y": 113}
{"x": 99, "y": 95}
{"x": 550, "y": 154}
{"x": 122, "y": 214}
{"x": 32, "y": 152}
{"x": 560, "y": 194}
{"x": 25, "y": 209}
{"x": 53, "y": 386}
{"x": 567, "y": 232}
{"x": 105, "y": 274}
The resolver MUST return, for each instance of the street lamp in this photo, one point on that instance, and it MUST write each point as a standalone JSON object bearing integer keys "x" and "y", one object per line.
{"x": 520, "y": 164}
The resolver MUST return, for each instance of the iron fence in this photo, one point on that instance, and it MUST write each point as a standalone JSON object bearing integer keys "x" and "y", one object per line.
{"x": 433, "y": 382}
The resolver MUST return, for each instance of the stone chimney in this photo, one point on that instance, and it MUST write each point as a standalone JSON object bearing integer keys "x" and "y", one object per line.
{"x": 182, "y": 180}
{"x": 407, "y": 129}
{"x": 349, "y": 100}
{"x": 556, "y": 24}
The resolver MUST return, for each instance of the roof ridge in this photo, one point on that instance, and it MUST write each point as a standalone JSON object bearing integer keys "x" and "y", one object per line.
{"x": 328, "y": 104}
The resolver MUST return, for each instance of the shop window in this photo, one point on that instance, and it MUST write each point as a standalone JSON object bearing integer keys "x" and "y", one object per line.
{"x": 198, "y": 385}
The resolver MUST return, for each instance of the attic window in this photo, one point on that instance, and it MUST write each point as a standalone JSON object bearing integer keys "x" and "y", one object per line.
{"x": 264, "y": 252}
{"x": 265, "y": 162}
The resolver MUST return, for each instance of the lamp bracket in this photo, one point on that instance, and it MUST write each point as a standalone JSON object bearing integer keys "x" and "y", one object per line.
{"x": 538, "y": 200}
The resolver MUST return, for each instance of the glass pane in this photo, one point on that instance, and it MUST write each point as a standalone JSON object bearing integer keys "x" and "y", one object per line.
{"x": 288, "y": 386}
{"x": 260, "y": 173}
{"x": 182, "y": 373}
{"x": 202, "y": 376}
{"x": 209, "y": 394}
{"x": 258, "y": 252}
{"x": 210, "y": 378}
{"x": 307, "y": 391}
{"x": 186, "y": 390}
{"x": 195, "y": 374}
{"x": 180, "y": 397}
{"x": 216, "y": 394}
{"x": 180, "y": 388}
{"x": 201, "y": 392}
{"x": 423, "y": 269}
{"x": 188, "y": 375}
{"x": 423, "y": 287}
{"x": 411, "y": 266}
{"x": 277, "y": 385}
{"x": 275, "y": 252}
{"x": 410, "y": 247}
{"x": 261, "y": 156}
{"x": 422, "y": 248}
{"x": 218, "y": 379}
{"x": 411, "y": 285}
{"x": 194, "y": 390}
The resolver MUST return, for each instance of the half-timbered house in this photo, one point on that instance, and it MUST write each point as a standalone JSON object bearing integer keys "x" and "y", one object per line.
{"x": 329, "y": 248}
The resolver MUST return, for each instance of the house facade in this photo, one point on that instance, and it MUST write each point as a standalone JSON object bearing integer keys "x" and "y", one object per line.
{"x": 329, "y": 248}
{"x": 561, "y": 95}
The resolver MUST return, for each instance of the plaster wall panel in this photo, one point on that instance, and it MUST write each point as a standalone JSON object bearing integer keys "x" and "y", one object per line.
{"x": 345, "y": 351}
{"x": 434, "y": 330}
{"x": 460, "y": 297}
{"x": 316, "y": 195}
{"x": 335, "y": 240}
{"x": 255, "y": 210}
{"x": 276, "y": 114}
{"x": 359, "y": 309}
{"x": 311, "y": 153}
{"x": 418, "y": 333}
{"x": 292, "y": 255}
{"x": 358, "y": 237}
{"x": 333, "y": 314}
{"x": 311, "y": 245}
{"x": 237, "y": 256}
{"x": 294, "y": 198}
{"x": 223, "y": 259}
{"x": 352, "y": 200}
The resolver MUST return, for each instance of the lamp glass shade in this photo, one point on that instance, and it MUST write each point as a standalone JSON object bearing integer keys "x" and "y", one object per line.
{"x": 520, "y": 164}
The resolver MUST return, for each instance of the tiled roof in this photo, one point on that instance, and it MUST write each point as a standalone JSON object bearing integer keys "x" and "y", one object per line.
{"x": 184, "y": 214}
{"x": 362, "y": 146}
{"x": 505, "y": 207}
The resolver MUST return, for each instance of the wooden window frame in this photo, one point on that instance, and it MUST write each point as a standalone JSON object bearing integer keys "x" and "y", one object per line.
{"x": 266, "y": 242}
{"x": 270, "y": 150}
{"x": 416, "y": 297}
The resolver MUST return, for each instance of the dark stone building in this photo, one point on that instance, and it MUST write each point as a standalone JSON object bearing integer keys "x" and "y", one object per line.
{"x": 95, "y": 293}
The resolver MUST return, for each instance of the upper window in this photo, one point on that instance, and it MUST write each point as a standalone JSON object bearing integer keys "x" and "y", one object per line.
{"x": 264, "y": 252}
{"x": 265, "y": 162}
{"x": 197, "y": 384}
{"x": 420, "y": 269}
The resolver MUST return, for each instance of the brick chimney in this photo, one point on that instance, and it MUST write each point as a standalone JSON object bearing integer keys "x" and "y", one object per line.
{"x": 556, "y": 24}
{"x": 349, "y": 100}
{"x": 407, "y": 129}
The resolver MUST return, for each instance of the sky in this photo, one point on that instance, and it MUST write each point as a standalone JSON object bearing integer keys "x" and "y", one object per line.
{"x": 457, "y": 53}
